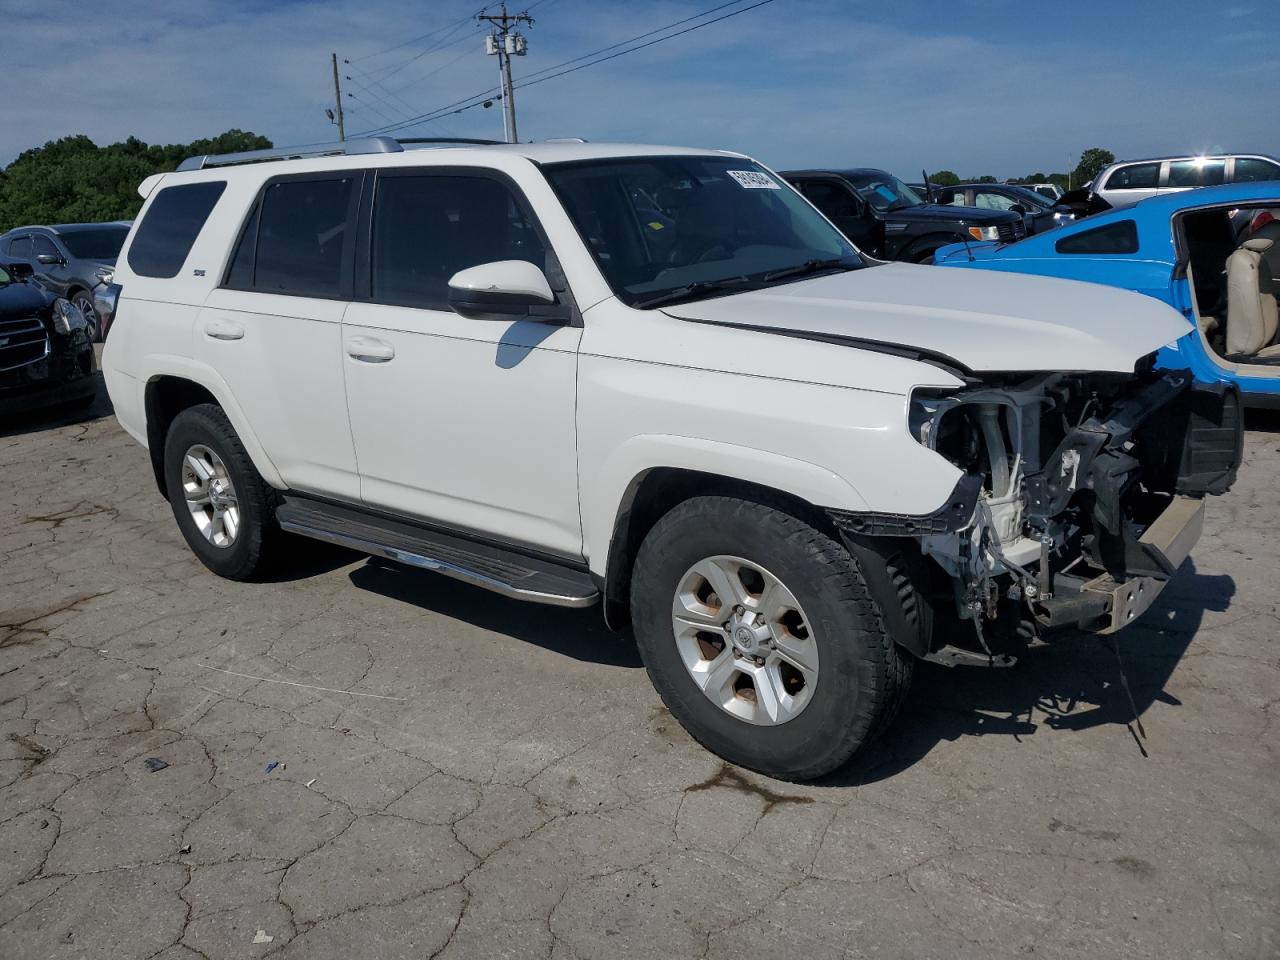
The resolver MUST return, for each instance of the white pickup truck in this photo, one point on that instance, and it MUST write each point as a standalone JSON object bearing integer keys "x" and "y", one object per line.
{"x": 658, "y": 379}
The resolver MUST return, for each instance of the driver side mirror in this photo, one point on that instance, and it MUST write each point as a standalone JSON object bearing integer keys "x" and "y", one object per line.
{"x": 49, "y": 258}
{"x": 1019, "y": 209}
{"x": 502, "y": 290}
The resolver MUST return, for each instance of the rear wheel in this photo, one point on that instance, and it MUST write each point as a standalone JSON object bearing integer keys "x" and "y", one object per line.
{"x": 763, "y": 638}
{"x": 225, "y": 510}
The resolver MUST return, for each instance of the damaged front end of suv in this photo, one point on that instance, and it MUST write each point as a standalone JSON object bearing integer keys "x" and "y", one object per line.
{"x": 1081, "y": 495}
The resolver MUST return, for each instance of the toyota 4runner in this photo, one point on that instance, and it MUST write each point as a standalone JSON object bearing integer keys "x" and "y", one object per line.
{"x": 659, "y": 380}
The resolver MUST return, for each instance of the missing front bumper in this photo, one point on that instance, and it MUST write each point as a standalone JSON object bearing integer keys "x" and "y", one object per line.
{"x": 1105, "y": 603}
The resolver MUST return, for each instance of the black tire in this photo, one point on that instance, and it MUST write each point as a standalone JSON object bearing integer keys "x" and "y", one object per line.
{"x": 81, "y": 299}
{"x": 924, "y": 256}
{"x": 863, "y": 675}
{"x": 256, "y": 543}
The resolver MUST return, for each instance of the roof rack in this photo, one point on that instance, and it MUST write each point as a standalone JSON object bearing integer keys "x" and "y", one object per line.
{"x": 339, "y": 149}
{"x": 430, "y": 141}
{"x": 565, "y": 140}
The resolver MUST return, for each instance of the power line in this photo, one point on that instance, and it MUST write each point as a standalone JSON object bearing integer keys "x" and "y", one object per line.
{"x": 466, "y": 38}
{"x": 438, "y": 45}
{"x": 369, "y": 106}
{"x": 614, "y": 56}
{"x": 425, "y": 36}
{"x": 622, "y": 43}
{"x": 475, "y": 100}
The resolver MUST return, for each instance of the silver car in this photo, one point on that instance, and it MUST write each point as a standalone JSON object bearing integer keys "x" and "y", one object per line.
{"x": 1129, "y": 181}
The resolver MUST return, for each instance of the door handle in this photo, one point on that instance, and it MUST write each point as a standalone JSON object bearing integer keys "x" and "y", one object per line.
{"x": 220, "y": 328}
{"x": 369, "y": 349}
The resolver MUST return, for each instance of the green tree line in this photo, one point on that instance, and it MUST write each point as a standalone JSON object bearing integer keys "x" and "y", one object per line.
{"x": 73, "y": 180}
{"x": 1091, "y": 163}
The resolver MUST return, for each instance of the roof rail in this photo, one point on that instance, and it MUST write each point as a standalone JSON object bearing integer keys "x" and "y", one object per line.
{"x": 565, "y": 140}
{"x": 429, "y": 141}
{"x": 339, "y": 149}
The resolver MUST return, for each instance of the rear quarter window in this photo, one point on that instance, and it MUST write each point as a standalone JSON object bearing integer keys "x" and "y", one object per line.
{"x": 170, "y": 227}
{"x": 1119, "y": 237}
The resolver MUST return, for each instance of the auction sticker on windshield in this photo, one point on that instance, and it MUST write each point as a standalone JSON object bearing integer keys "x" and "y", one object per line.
{"x": 754, "y": 180}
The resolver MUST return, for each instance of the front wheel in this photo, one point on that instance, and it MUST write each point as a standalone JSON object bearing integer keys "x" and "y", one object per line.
{"x": 763, "y": 638}
{"x": 84, "y": 302}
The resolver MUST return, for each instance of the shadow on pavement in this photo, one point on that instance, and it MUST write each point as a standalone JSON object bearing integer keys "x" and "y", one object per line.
{"x": 1070, "y": 683}
{"x": 580, "y": 634}
{"x": 58, "y": 415}
{"x": 1264, "y": 421}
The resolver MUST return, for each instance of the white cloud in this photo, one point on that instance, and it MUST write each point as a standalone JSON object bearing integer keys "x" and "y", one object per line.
{"x": 796, "y": 82}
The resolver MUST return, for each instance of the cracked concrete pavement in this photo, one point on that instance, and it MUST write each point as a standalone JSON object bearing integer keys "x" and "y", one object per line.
{"x": 500, "y": 780}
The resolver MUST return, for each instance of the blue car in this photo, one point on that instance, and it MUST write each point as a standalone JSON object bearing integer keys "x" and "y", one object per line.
{"x": 1213, "y": 254}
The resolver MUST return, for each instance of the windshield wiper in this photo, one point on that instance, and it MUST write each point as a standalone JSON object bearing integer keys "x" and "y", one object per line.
{"x": 811, "y": 266}
{"x": 691, "y": 291}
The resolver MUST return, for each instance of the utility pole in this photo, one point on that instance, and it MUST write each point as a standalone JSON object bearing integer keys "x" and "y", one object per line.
{"x": 504, "y": 44}
{"x": 337, "y": 97}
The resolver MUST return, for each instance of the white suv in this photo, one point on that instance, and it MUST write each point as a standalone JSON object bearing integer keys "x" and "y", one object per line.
{"x": 659, "y": 379}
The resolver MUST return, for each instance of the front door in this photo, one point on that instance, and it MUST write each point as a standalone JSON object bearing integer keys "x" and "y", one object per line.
{"x": 467, "y": 423}
{"x": 848, "y": 212}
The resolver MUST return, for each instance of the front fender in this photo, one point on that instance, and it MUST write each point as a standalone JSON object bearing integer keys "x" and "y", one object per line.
{"x": 608, "y": 493}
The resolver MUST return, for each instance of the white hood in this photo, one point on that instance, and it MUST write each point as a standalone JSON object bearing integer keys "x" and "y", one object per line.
{"x": 984, "y": 319}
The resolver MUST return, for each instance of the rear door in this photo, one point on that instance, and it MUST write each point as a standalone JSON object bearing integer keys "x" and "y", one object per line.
{"x": 273, "y": 328}
{"x": 1193, "y": 173}
{"x": 466, "y": 422}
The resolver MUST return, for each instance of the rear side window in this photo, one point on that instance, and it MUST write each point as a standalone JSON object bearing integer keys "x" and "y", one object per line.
{"x": 1196, "y": 173}
{"x": 427, "y": 228}
{"x": 170, "y": 227}
{"x": 296, "y": 238}
{"x": 1120, "y": 237}
{"x": 1136, "y": 176}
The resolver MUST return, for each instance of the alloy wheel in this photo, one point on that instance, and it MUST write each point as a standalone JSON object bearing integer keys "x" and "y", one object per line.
{"x": 210, "y": 495}
{"x": 745, "y": 640}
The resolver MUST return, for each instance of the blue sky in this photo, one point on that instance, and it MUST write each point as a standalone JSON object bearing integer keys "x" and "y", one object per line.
{"x": 991, "y": 86}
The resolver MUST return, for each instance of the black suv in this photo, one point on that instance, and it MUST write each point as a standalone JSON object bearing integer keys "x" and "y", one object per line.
{"x": 74, "y": 260}
{"x": 46, "y": 355}
{"x": 884, "y": 217}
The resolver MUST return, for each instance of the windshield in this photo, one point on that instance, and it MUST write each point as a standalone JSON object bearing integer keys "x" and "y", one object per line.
{"x": 682, "y": 227}
{"x": 884, "y": 191}
{"x": 100, "y": 243}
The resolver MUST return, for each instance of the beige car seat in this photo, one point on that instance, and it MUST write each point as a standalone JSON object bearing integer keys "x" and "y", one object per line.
{"x": 1270, "y": 258}
{"x": 1252, "y": 317}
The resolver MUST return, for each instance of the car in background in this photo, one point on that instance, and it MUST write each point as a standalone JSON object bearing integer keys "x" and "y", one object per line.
{"x": 1050, "y": 191}
{"x": 1213, "y": 254}
{"x": 1125, "y": 183}
{"x": 1037, "y": 212}
{"x": 885, "y": 218}
{"x": 46, "y": 356}
{"x": 73, "y": 260}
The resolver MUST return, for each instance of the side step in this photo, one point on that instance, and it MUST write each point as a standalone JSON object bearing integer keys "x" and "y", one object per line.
{"x": 483, "y": 565}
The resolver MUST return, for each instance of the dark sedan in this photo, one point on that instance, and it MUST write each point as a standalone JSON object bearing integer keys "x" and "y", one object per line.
{"x": 46, "y": 356}
{"x": 73, "y": 260}
{"x": 1037, "y": 211}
